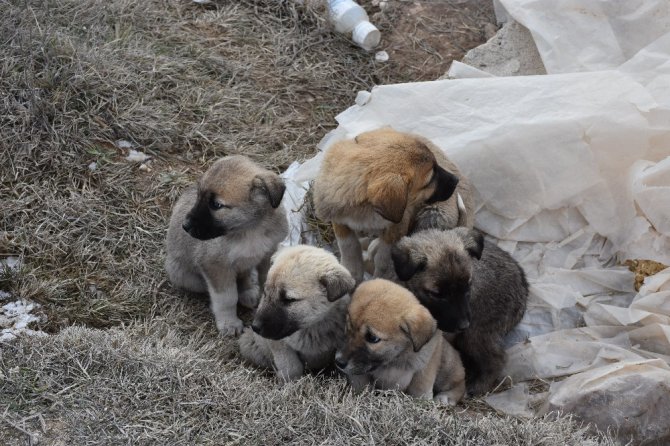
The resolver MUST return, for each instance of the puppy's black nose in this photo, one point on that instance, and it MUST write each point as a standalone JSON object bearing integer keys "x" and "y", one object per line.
{"x": 340, "y": 362}
{"x": 187, "y": 225}
{"x": 462, "y": 325}
{"x": 256, "y": 327}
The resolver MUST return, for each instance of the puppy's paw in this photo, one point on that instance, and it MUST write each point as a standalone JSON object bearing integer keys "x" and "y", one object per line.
{"x": 383, "y": 272}
{"x": 250, "y": 297}
{"x": 384, "y": 268}
{"x": 230, "y": 326}
{"x": 355, "y": 267}
{"x": 445, "y": 398}
{"x": 287, "y": 376}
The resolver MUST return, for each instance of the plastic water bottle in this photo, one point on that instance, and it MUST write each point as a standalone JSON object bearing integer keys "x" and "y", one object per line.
{"x": 349, "y": 17}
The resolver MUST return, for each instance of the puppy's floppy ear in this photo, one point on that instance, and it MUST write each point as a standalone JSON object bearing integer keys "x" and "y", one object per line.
{"x": 419, "y": 326}
{"x": 445, "y": 185}
{"x": 272, "y": 185}
{"x": 388, "y": 195}
{"x": 406, "y": 260}
{"x": 473, "y": 241}
{"x": 337, "y": 283}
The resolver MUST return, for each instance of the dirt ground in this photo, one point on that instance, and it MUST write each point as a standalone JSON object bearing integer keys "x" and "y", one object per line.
{"x": 130, "y": 359}
{"x": 423, "y": 37}
{"x": 86, "y": 82}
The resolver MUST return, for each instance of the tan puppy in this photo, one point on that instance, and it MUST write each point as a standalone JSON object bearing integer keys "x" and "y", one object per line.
{"x": 300, "y": 320}
{"x": 388, "y": 183}
{"x": 223, "y": 229}
{"x": 393, "y": 343}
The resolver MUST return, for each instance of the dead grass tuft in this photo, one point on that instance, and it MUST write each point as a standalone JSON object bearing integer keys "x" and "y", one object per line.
{"x": 182, "y": 83}
{"x": 643, "y": 269}
{"x": 321, "y": 232}
{"x": 152, "y": 384}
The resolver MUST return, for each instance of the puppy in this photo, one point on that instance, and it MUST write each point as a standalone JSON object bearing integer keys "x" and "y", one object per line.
{"x": 379, "y": 183}
{"x": 223, "y": 229}
{"x": 472, "y": 288}
{"x": 393, "y": 343}
{"x": 300, "y": 320}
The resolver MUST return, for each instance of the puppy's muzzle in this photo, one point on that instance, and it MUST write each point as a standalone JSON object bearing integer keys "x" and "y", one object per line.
{"x": 274, "y": 322}
{"x": 340, "y": 361}
{"x": 445, "y": 185}
{"x": 257, "y": 327}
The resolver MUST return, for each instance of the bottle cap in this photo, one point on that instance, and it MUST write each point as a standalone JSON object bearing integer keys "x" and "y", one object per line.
{"x": 366, "y": 35}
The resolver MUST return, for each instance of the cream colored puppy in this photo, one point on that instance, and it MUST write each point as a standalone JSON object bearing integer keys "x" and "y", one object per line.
{"x": 221, "y": 230}
{"x": 299, "y": 323}
{"x": 393, "y": 343}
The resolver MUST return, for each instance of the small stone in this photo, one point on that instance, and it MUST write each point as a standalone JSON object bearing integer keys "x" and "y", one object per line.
{"x": 381, "y": 56}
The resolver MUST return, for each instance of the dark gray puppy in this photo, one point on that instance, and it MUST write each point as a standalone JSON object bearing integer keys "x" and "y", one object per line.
{"x": 472, "y": 288}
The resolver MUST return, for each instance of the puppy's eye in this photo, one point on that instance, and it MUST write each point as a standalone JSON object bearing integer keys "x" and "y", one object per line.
{"x": 215, "y": 205}
{"x": 371, "y": 338}
{"x": 432, "y": 293}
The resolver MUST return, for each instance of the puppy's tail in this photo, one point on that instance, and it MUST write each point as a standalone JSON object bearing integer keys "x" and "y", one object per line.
{"x": 255, "y": 349}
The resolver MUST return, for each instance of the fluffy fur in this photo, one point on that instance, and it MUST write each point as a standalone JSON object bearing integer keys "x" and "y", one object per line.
{"x": 222, "y": 229}
{"x": 393, "y": 343}
{"x": 386, "y": 183}
{"x": 300, "y": 320}
{"x": 472, "y": 288}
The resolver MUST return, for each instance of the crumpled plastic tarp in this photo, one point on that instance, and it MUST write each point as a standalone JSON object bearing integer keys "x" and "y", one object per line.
{"x": 572, "y": 176}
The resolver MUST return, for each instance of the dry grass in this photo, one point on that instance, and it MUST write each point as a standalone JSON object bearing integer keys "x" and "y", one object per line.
{"x": 151, "y": 384}
{"x": 643, "y": 269}
{"x": 184, "y": 84}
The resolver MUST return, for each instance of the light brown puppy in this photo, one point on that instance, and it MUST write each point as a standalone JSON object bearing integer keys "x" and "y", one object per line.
{"x": 393, "y": 343}
{"x": 389, "y": 184}
{"x": 300, "y": 320}
{"x": 223, "y": 229}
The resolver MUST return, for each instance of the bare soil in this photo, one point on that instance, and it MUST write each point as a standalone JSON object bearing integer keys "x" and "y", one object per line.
{"x": 423, "y": 37}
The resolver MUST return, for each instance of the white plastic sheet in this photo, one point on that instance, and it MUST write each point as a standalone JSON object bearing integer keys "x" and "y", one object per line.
{"x": 590, "y": 35}
{"x": 572, "y": 175}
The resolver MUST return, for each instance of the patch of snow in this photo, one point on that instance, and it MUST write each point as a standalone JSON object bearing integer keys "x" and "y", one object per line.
{"x": 123, "y": 144}
{"x": 93, "y": 166}
{"x": 11, "y": 263}
{"x": 15, "y": 318}
{"x": 137, "y": 156}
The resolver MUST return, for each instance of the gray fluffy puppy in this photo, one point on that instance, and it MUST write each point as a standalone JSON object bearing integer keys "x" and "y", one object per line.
{"x": 472, "y": 288}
